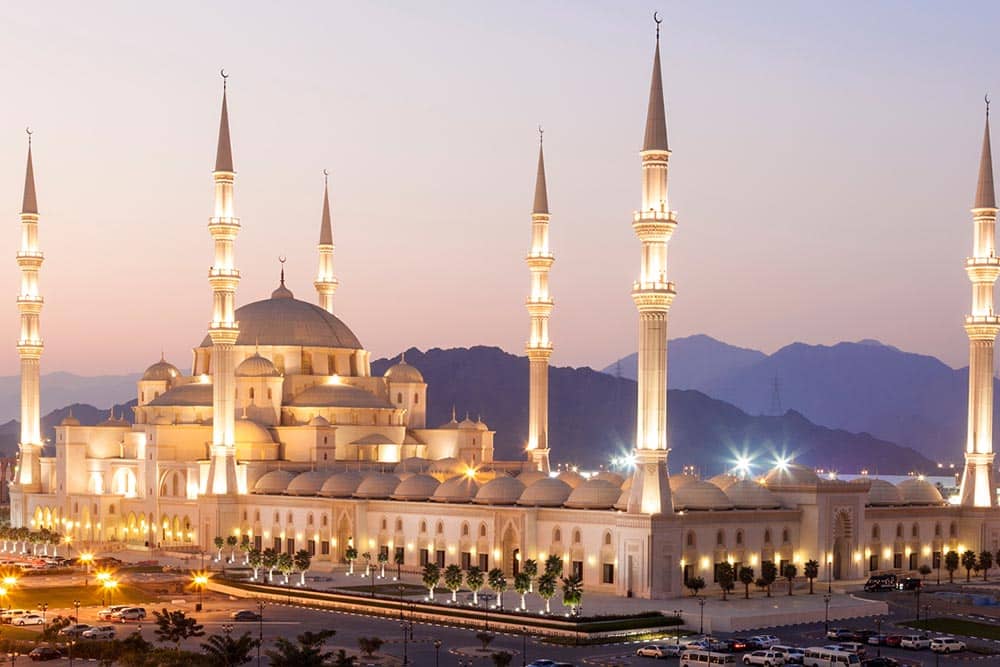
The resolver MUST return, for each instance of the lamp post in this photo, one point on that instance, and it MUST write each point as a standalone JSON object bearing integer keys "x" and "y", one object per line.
{"x": 677, "y": 634}
{"x": 76, "y": 604}
{"x": 260, "y": 628}
{"x": 701, "y": 622}
{"x": 916, "y": 593}
{"x": 437, "y": 653}
{"x": 406, "y": 659}
{"x": 200, "y": 580}
{"x": 87, "y": 559}
{"x": 927, "y": 615}
{"x": 826, "y": 617}
{"x": 43, "y": 607}
{"x": 829, "y": 575}
{"x": 524, "y": 647}
{"x": 878, "y": 633}
{"x": 102, "y": 580}
{"x": 8, "y": 583}
{"x": 110, "y": 585}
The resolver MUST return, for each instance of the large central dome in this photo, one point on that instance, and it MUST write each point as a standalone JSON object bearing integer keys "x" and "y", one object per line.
{"x": 284, "y": 320}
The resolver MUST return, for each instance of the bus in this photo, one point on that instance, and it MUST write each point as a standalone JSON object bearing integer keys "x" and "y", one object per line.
{"x": 703, "y": 658}
{"x": 817, "y": 656}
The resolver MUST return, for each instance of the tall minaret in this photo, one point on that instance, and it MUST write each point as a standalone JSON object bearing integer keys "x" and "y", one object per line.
{"x": 654, "y": 224}
{"x": 223, "y": 329}
{"x": 539, "y": 303}
{"x": 326, "y": 284}
{"x": 982, "y": 326}
{"x": 29, "y": 345}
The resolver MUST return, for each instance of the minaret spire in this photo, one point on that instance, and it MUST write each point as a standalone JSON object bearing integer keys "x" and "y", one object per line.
{"x": 326, "y": 284}
{"x": 982, "y": 326}
{"x": 29, "y": 344}
{"x": 539, "y": 347}
{"x": 223, "y": 277}
{"x": 653, "y": 294}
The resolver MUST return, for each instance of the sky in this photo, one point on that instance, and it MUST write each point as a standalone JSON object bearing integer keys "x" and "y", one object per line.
{"x": 824, "y": 161}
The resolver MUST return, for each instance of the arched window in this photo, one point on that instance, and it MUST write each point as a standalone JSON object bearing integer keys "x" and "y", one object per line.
{"x": 277, "y": 517}
{"x": 899, "y": 530}
{"x": 607, "y": 539}
{"x": 914, "y": 530}
{"x": 576, "y": 536}
{"x": 784, "y": 536}
{"x": 399, "y": 397}
{"x": 423, "y": 526}
{"x": 953, "y": 529}
{"x": 876, "y": 532}
{"x": 482, "y": 530}
{"x": 465, "y": 530}
{"x": 937, "y": 529}
{"x": 767, "y": 536}
{"x": 256, "y": 515}
{"x": 290, "y": 518}
{"x": 251, "y": 393}
{"x": 323, "y": 521}
{"x": 269, "y": 393}
{"x": 440, "y": 528}
{"x": 309, "y": 519}
{"x": 416, "y": 398}
{"x": 399, "y": 525}
{"x": 384, "y": 523}
{"x": 720, "y": 539}
{"x": 739, "y": 537}
{"x": 142, "y": 396}
{"x": 557, "y": 535}
{"x": 690, "y": 538}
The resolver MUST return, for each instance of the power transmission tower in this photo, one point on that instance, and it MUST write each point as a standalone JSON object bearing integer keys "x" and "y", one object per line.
{"x": 776, "y": 398}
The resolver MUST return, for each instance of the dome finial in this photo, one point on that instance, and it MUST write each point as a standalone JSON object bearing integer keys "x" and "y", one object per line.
{"x": 658, "y": 21}
{"x": 453, "y": 412}
{"x": 402, "y": 357}
{"x": 282, "y": 259}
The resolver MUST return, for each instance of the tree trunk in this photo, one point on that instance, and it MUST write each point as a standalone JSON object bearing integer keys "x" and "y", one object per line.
{"x": 810, "y": 586}
{"x": 746, "y": 589}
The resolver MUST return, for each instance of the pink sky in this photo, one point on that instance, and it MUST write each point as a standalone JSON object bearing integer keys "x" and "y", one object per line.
{"x": 824, "y": 162}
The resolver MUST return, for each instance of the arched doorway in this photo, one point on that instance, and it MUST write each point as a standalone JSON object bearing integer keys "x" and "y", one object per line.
{"x": 345, "y": 533}
{"x": 510, "y": 545}
{"x": 841, "y": 545}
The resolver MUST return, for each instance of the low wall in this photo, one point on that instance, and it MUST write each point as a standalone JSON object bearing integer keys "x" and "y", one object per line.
{"x": 769, "y": 617}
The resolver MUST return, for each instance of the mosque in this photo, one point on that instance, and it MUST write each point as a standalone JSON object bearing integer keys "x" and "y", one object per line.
{"x": 282, "y": 434}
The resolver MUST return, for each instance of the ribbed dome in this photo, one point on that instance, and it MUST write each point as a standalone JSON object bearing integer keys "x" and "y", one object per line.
{"x": 594, "y": 494}
{"x": 792, "y": 474}
{"x": 545, "y": 492}
{"x": 701, "y": 495}
{"x": 319, "y": 420}
{"x": 308, "y": 483}
{"x": 257, "y": 366}
{"x": 403, "y": 372}
{"x": 748, "y": 494}
{"x": 412, "y": 464}
{"x": 574, "y": 479}
{"x": 883, "y": 493}
{"x": 69, "y": 420}
{"x": 283, "y": 320}
{"x": 501, "y": 490}
{"x": 917, "y": 491}
{"x": 250, "y": 432}
{"x": 274, "y": 482}
{"x": 162, "y": 370}
{"x": 612, "y": 477}
{"x": 682, "y": 480}
{"x": 377, "y": 485}
{"x": 416, "y": 487}
{"x": 456, "y": 490}
{"x": 724, "y": 480}
{"x": 529, "y": 477}
{"x": 342, "y": 484}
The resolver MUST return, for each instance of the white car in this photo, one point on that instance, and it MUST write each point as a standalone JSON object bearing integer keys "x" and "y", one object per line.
{"x": 100, "y": 632}
{"x": 766, "y": 658}
{"x": 29, "y": 619}
{"x": 766, "y": 640}
{"x": 915, "y": 642}
{"x": 659, "y": 651}
{"x": 793, "y": 655}
{"x": 947, "y": 645}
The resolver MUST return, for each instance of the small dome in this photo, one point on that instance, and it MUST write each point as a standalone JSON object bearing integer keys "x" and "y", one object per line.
{"x": 545, "y": 492}
{"x": 574, "y": 479}
{"x": 69, "y": 420}
{"x": 612, "y": 477}
{"x": 447, "y": 465}
{"x": 403, "y": 372}
{"x": 162, "y": 420}
{"x": 792, "y": 474}
{"x": 883, "y": 493}
{"x": 319, "y": 420}
{"x": 342, "y": 484}
{"x": 282, "y": 292}
{"x": 162, "y": 371}
{"x": 250, "y": 432}
{"x": 501, "y": 490}
{"x": 274, "y": 482}
{"x": 747, "y": 494}
{"x": 460, "y": 489}
{"x": 622, "y": 502}
{"x": 594, "y": 494}
{"x": 257, "y": 366}
{"x": 725, "y": 480}
{"x": 377, "y": 485}
{"x": 701, "y": 495}
{"x": 529, "y": 477}
{"x": 917, "y": 491}
{"x": 468, "y": 424}
{"x": 416, "y": 487}
{"x": 308, "y": 483}
{"x": 412, "y": 464}
{"x": 682, "y": 480}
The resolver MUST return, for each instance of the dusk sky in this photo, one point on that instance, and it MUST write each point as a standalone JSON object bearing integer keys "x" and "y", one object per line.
{"x": 824, "y": 161}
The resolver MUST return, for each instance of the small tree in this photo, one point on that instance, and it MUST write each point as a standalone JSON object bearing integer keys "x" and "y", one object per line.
{"x": 572, "y": 592}
{"x": 255, "y": 560}
{"x": 398, "y": 558}
{"x": 269, "y": 559}
{"x": 547, "y": 589}
{"x": 522, "y": 584}
{"x": 746, "y": 578}
{"x": 501, "y": 658}
{"x": 350, "y": 555}
{"x": 301, "y": 561}
{"x": 231, "y": 542}
{"x": 383, "y": 558}
{"x": 51, "y": 630}
{"x": 554, "y": 565}
{"x": 368, "y": 562}
{"x": 344, "y": 660}
{"x": 951, "y": 561}
{"x": 219, "y": 543}
{"x": 285, "y": 565}
{"x": 969, "y": 562}
{"x": 245, "y": 547}
{"x": 811, "y": 571}
{"x": 791, "y": 571}
{"x": 305, "y": 651}
{"x": 486, "y": 638}
{"x": 924, "y": 570}
{"x": 725, "y": 577}
{"x": 694, "y": 584}
{"x": 176, "y": 626}
{"x": 497, "y": 581}
{"x": 431, "y": 577}
{"x": 530, "y": 568}
{"x": 453, "y": 577}
{"x": 475, "y": 579}
{"x": 769, "y": 573}
{"x": 224, "y": 650}
{"x": 369, "y": 645}
{"x": 985, "y": 563}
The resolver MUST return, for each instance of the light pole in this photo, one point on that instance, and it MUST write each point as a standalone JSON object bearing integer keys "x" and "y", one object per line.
{"x": 110, "y": 585}
{"x": 43, "y": 607}
{"x": 829, "y": 575}
{"x": 406, "y": 659}
{"x": 701, "y": 622}
{"x": 76, "y": 603}
{"x": 916, "y": 592}
{"x": 87, "y": 559}
{"x": 102, "y": 579}
{"x": 677, "y": 634}
{"x": 927, "y": 615}
{"x": 260, "y": 628}
{"x": 878, "y": 633}
{"x": 437, "y": 653}
{"x": 826, "y": 617}
{"x": 200, "y": 580}
{"x": 524, "y": 647}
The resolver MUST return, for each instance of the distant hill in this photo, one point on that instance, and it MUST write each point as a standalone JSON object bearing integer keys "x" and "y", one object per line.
{"x": 592, "y": 417}
{"x": 60, "y": 389}
{"x": 88, "y": 415}
{"x": 695, "y": 361}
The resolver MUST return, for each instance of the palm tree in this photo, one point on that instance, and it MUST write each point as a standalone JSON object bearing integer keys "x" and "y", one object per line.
{"x": 368, "y": 562}
{"x": 501, "y": 658}
{"x": 245, "y": 547}
{"x": 453, "y": 580}
{"x": 497, "y": 581}
{"x": 951, "y": 561}
{"x": 725, "y": 576}
{"x": 746, "y": 578}
{"x": 572, "y": 590}
{"x": 254, "y": 560}
{"x": 985, "y": 562}
{"x": 305, "y": 651}
{"x": 285, "y": 565}
{"x": 231, "y": 542}
{"x": 554, "y": 565}
{"x": 522, "y": 584}
{"x": 269, "y": 559}
{"x": 350, "y": 555}
{"x": 547, "y": 589}
{"x": 398, "y": 558}
{"x": 811, "y": 571}
{"x": 530, "y": 568}
{"x": 175, "y": 627}
{"x": 224, "y": 650}
{"x": 769, "y": 574}
{"x": 369, "y": 645}
{"x": 219, "y": 543}
{"x": 431, "y": 577}
{"x": 791, "y": 571}
{"x": 302, "y": 560}
{"x": 475, "y": 579}
{"x": 383, "y": 558}
{"x": 969, "y": 563}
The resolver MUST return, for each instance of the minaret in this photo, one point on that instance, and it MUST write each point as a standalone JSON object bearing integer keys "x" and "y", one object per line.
{"x": 223, "y": 329}
{"x": 29, "y": 345}
{"x": 539, "y": 304}
{"x": 326, "y": 284}
{"x": 654, "y": 224}
{"x": 982, "y": 326}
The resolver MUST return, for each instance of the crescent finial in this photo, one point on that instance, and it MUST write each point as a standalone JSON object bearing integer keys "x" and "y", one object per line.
{"x": 987, "y": 98}
{"x": 225, "y": 76}
{"x": 658, "y": 21}
{"x": 28, "y": 131}
{"x": 282, "y": 259}
{"x": 541, "y": 132}
{"x": 326, "y": 175}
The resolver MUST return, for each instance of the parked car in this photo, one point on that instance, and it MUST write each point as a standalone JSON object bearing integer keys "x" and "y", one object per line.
{"x": 909, "y": 584}
{"x": 74, "y": 630}
{"x": 29, "y": 619}
{"x": 880, "y": 661}
{"x": 793, "y": 654}
{"x": 880, "y": 582}
{"x": 245, "y": 615}
{"x": 861, "y": 636}
{"x": 766, "y": 640}
{"x": 838, "y": 634}
{"x": 735, "y": 644}
{"x": 878, "y": 639}
{"x": 9, "y": 615}
{"x": 542, "y": 662}
{"x": 947, "y": 645}
{"x": 106, "y": 613}
{"x": 915, "y": 642}
{"x": 764, "y": 657}
{"x": 129, "y": 614}
{"x": 44, "y": 653}
{"x": 856, "y": 648}
{"x": 659, "y": 651}
{"x": 893, "y": 640}
{"x": 99, "y": 632}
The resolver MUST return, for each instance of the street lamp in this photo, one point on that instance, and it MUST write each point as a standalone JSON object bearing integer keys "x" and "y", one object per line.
{"x": 43, "y": 607}
{"x": 87, "y": 559}
{"x": 437, "y": 653}
{"x": 76, "y": 603}
{"x": 826, "y": 617}
{"x": 677, "y": 634}
{"x": 110, "y": 585}
{"x": 200, "y": 580}
{"x": 260, "y": 628}
{"x": 701, "y": 624}
{"x": 406, "y": 659}
{"x": 878, "y": 633}
{"x": 916, "y": 592}
{"x": 102, "y": 580}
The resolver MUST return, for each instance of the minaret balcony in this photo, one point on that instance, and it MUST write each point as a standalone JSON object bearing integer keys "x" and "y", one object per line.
{"x": 30, "y": 259}
{"x": 539, "y": 307}
{"x": 224, "y": 227}
{"x": 540, "y": 261}
{"x": 652, "y": 215}
{"x": 982, "y": 319}
{"x": 983, "y": 269}
{"x": 30, "y": 349}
